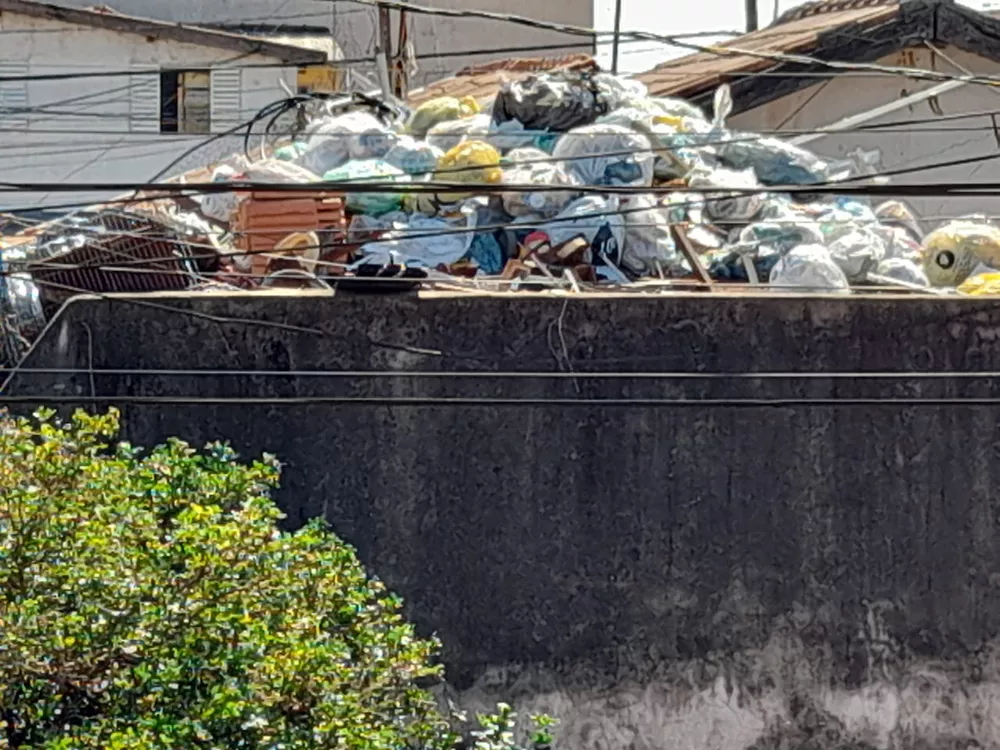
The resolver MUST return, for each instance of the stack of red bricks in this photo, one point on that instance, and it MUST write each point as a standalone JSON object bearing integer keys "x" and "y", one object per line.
{"x": 266, "y": 217}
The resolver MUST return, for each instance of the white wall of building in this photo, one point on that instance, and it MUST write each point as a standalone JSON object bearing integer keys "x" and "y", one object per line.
{"x": 354, "y": 26}
{"x": 907, "y": 146}
{"x": 101, "y": 129}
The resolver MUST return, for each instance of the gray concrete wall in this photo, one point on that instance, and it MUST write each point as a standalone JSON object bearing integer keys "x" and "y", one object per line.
{"x": 805, "y": 571}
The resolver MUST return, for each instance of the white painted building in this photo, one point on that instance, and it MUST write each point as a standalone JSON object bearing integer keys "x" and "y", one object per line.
{"x": 96, "y": 97}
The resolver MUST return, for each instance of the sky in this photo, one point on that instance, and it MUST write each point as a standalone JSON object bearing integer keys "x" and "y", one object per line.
{"x": 686, "y": 17}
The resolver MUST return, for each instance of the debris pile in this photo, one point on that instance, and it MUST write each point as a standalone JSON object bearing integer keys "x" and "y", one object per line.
{"x": 570, "y": 179}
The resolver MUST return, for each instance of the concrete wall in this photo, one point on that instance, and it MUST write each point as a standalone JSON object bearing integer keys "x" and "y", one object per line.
{"x": 908, "y": 146}
{"x": 354, "y": 28}
{"x": 85, "y": 129}
{"x": 787, "y": 573}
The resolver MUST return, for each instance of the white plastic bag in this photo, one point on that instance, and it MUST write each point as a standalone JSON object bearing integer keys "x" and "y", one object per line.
{"x": 811, "y": 268}
{"x": 606, "y": 154}
{"x": 334, "y": 141}
{"x": 649, "y": 244}
{"x": 447, "y": 135}
{"x": 532, "y": 166}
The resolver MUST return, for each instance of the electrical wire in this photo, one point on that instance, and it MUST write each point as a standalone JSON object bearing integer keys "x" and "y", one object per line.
{"x": 674, "y": 40}
{"x": 493, "y": 401}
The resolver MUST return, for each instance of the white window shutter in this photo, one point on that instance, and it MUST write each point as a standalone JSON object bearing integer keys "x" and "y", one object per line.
{"x": 144, "y": 102}
{"x": 227, "y": 99}
{"x": 13, "y": 96}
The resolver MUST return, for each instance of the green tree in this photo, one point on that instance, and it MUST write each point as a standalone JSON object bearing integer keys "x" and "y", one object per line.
{"x": 151, "y": 601}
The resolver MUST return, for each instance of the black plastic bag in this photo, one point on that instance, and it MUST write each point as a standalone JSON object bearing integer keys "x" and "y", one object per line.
{"x": 550, "y": 102}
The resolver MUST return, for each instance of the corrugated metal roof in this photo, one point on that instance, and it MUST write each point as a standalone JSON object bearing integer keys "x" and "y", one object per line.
{"x": 696, "y": 73}
{"x": 484, "y": 81}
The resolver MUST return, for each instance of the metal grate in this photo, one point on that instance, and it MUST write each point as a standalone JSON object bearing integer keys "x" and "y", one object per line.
{"x": 114, "y": 240}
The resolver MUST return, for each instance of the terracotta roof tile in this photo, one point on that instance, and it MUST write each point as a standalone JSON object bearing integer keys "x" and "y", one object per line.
{"x": 694, "y": 74}
{"x": 484, "y": 81}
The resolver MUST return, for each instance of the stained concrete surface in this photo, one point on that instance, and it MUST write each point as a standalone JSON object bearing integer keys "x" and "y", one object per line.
{"x": 818, "y": 568}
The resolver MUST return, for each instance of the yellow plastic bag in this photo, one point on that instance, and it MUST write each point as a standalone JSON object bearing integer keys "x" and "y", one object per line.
{"x": 471, "y": 162}
{"x": 439, "y": 110}
{"x": 953, "y": 251}
{"x": 982, "y": 285}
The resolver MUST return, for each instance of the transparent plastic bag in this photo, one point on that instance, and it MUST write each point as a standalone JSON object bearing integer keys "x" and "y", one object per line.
{"x": 586, "y": 217}
{"x": 424, "y": 240}
{"x": 531, "y": 166}
{"x": 724, "y": 207}
{"x": 416, "y": 158}
{"x": 442, "y": 109}
{"x": 447, "y": 135}
{"x": 369, "y": 170}
{"x": 858, "y": 253}
{"x": 606, "y": 154}
{"x": 953, "y": 251}
{"x": 903, "y": 270}
{"x": 808, "y": 268}
{"x": 334, "y": 141}
{"x": 649, "y": 248}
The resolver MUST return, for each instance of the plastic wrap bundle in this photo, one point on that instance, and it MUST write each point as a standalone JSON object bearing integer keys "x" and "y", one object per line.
{"x": 424, "y": 240}
{"x": 369, "y": 170}
{"x": 809, "y": 268}
{"x": 953, "y": 251}
{"x": 442, "y": 109}
{"x": 858, "y": 252}
{"x": 531, "y": 166}
{"x": 447, "y": 135}
{"x": 473, "y": 162}
{"x": 335, "y": 141}
{"x": 729, "y": 207}
{"x": 649, "y": 245}
{"x": 586, "y": 217}
{"x": 606, "y": 155}
{"x": 759, "y": 247}
{"x": 416, "y": 158}
{"x": 550, "y": 101}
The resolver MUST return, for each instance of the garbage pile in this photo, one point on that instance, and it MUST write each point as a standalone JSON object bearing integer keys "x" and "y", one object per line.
{"x": 566, "y": 179}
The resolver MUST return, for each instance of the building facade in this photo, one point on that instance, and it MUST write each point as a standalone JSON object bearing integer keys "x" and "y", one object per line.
{"x": 443, "y": 45}
{"x": 90, "y": 97}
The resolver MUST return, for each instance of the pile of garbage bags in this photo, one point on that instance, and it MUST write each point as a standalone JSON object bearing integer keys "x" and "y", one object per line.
{"x": 586, "y": 173}
{"x": 585, "y": 176}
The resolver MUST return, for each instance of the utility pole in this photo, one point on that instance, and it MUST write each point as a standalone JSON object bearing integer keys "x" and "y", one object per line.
{"x": 752, "y": 24}
{"x": 383, "y": 49}
{"x": 615, "y": 40}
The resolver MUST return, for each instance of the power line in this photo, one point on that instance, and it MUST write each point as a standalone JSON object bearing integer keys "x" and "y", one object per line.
{"x": 493, "y": 402}
{"x": 510, "y": 375}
